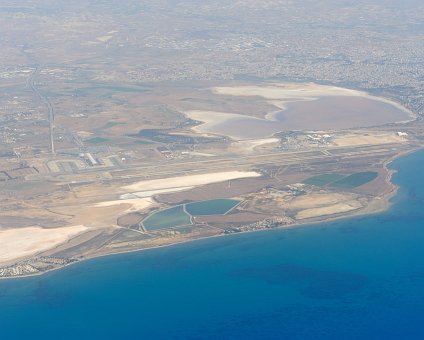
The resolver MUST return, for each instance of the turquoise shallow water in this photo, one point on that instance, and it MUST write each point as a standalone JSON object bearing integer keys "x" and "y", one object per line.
{"x": 359, "y": 278}
{"x": 218, "y": 206}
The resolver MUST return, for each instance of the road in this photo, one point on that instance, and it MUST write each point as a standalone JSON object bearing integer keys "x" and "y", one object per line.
{"x": 31, "y": 84}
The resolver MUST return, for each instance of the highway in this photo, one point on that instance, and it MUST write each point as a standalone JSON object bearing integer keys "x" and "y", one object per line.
{"x": 31, "y": 84}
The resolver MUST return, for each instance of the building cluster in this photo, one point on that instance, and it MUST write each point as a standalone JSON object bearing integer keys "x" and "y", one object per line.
{"x": 34, "y": 265}
{"x": 261, "y": 225}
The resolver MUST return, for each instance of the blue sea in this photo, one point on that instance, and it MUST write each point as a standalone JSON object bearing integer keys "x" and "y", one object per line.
{"x": 360, "y": 278}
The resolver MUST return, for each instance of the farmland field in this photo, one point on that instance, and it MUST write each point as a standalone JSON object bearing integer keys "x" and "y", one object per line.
{"x": 324, "y": 179}
{"x": 355, "y": 180}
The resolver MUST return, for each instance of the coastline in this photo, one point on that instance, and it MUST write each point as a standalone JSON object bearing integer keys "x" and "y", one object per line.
{"x": 378, "y": 205}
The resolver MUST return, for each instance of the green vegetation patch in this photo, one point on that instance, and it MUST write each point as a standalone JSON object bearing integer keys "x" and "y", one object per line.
{"x": 356, "y": 180}
{"x": 107, "y": 90}
{"x": 323, "y": 180}
{"x": 112, "y": 124}
{"x": 97, "y": 140}
{"x": 143, "y": 142}
{"x": 172, "y": 217}
{"x": 211, "y": 207}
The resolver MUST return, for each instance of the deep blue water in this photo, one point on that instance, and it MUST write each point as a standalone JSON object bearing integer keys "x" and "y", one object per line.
{"x": 359, "y": 278}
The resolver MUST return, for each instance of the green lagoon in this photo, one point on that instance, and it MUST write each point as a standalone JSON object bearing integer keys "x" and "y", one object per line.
{"x": 172, "y": 217}
{"x": 211, "y": 207}
{"x": 181, "y": 214}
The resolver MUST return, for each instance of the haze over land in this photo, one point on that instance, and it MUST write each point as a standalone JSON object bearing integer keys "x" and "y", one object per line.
{"x": 115, "y": 114}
